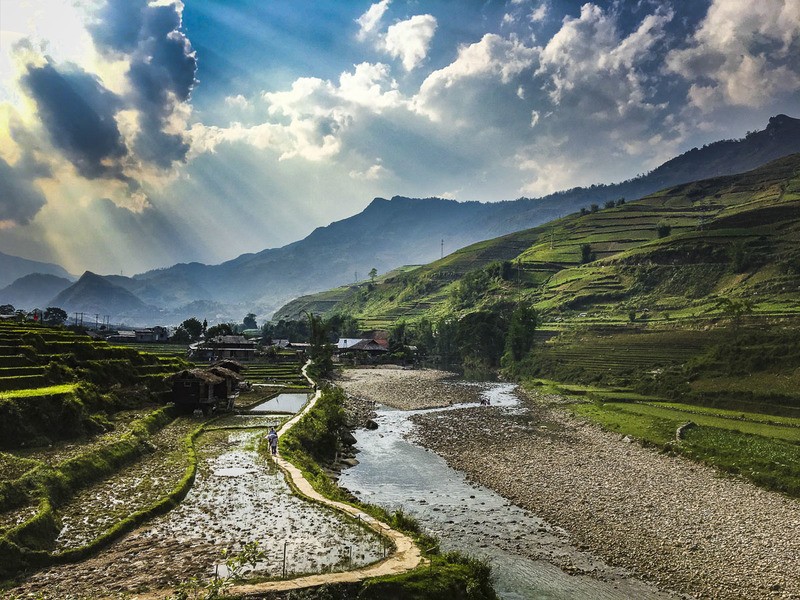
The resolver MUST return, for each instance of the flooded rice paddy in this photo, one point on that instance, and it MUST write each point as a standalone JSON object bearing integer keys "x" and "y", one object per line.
{"x": 282, "y": 403}
{"x": 238, "y": 497}
{"x": 530, "y": 558}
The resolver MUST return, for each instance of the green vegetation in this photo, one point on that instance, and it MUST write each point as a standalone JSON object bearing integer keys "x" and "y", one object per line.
{"x": 768, "y": 454}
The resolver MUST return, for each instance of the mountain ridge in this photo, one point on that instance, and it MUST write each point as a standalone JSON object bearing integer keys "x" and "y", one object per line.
{"x": 675, "y": 253}
{"x": 401, "y": 230}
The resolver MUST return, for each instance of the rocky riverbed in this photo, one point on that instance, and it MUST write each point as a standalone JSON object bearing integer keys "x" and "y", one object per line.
{"x": 670, "y": 520}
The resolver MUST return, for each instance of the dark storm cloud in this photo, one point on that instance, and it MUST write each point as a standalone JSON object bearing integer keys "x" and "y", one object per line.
{"x": 78, "y": 112}
{"x": 162, "y": 70}
{"x": 118, "y": 25}
{"x": 19, "y": 201}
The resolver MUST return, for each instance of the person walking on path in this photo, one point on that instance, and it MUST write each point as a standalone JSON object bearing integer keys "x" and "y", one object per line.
{"x": 272, "y": 438}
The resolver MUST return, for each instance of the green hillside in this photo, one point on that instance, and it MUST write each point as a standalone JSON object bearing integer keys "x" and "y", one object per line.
{"x": 671, "y": 255}
{"x": 682, "y": 306}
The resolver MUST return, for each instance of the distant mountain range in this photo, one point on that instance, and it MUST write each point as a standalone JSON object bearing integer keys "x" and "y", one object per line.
{"x": 14, "y": 267}
{"x": 385, "y": 235}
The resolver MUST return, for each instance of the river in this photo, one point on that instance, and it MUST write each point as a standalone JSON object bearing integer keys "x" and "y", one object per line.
{"x": 526, "y": 553}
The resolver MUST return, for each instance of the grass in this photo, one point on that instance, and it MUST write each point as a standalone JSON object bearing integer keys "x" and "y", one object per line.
{"x": 766, "y": 454}
{"x": 52, "y": 390}
{"x": 743, "y": 423}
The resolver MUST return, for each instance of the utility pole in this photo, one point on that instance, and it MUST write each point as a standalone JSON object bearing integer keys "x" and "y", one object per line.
{"x": 442, "y": 256}
{"x": 96, "y": 321}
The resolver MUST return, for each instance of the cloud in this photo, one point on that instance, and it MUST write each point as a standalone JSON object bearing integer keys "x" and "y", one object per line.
{"x": 78, "y": 112}
{"x": 19, "y": 200}
{"x": 409, "y": 40}
{"x": 742, "y": 54}
{"x": 370, "y": 21}
{"x": 309, "y": 120}
{"x": 493, "y": 57}
{"x": 373, "y": 173}
{"x": 588, "y": 64}
{"x": 539, "y": 13}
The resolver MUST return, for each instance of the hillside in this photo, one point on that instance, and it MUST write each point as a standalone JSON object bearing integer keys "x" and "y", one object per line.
{"x": 14, "y": 267}
{"x": 390, "y": 233}
{"x": 34, "y": 290}
{"x": 94, "y": 294}
{"x": 670, "y": 255}
{"x": 385, "y": 235}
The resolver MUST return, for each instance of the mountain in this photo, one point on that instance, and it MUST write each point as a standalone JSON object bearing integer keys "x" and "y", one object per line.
{"x": 670, "y": 256}
{"x": 33, "y": 291}
{"x": 14, "y": 267}
{"x": 95, "y": 294}
{"x": 390, "y": 233}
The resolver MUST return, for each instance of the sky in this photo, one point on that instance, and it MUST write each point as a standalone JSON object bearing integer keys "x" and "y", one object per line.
{"x": 137, "y": 134}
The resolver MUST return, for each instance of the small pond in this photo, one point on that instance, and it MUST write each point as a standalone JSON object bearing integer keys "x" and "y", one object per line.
{"x": 282, "y": 403}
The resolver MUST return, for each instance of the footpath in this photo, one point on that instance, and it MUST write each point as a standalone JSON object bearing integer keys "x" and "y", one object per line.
{"x": 406, "y": 556}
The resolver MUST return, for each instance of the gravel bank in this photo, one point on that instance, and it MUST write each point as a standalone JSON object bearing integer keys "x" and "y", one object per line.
{"x": 407, "y": 389}
{"x": 672, "y": 521}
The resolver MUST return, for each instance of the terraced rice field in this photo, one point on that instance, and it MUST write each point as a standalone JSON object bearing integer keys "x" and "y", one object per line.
{"x": 107, "y": 468}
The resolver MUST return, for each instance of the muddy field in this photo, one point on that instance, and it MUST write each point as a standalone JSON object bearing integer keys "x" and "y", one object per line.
{"x": 238, "y": 497}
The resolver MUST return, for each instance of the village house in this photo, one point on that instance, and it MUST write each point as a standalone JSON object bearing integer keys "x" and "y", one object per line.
{"x": 222, "y": 347}
{"x": 206, "y": 390}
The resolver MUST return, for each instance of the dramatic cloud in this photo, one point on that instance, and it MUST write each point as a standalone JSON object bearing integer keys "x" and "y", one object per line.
{"x": 589, "y": 65}
{"x": 305, "y": 112}
{"x": 409, "y": 40}
{"x": 19, "y": 200}
{"x": 309, "y": 120}
{"x": 743, "y": 53}
{"x": 493, "y": 58}
{"x": 161, "y": 72}
{"x": 78, "y": 113}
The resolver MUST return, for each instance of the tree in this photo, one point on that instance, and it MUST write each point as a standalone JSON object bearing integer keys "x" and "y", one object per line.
{"x": 249, "y": 321}
{"x": 735, "y": 310}
{"x": 609, "y": 204}
{"x": 521, "y": 329}
{"x": 55, "y": 316}
{"x": 739, "y": 256}
{"x": 587, "y": 255}
{"x": 181, "y": 336}
{"x": 373, "y": 273}
{"x": 663, "y": 230}
{"x": 219, "y": 329}
{"x": 194, "y": 327}
{"x": 594, "y": 208}
{"x": 320, "y": 352}
{"x": 6, "y": 309}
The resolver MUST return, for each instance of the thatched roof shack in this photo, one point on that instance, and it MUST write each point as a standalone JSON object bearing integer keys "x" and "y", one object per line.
{"x": 231, "y": 365}
{"x": 204, "y": 388}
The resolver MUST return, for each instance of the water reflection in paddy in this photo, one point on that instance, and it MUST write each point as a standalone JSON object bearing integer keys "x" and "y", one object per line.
{"x": 282, "y": 403}
{"x": 238, "y": 497}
